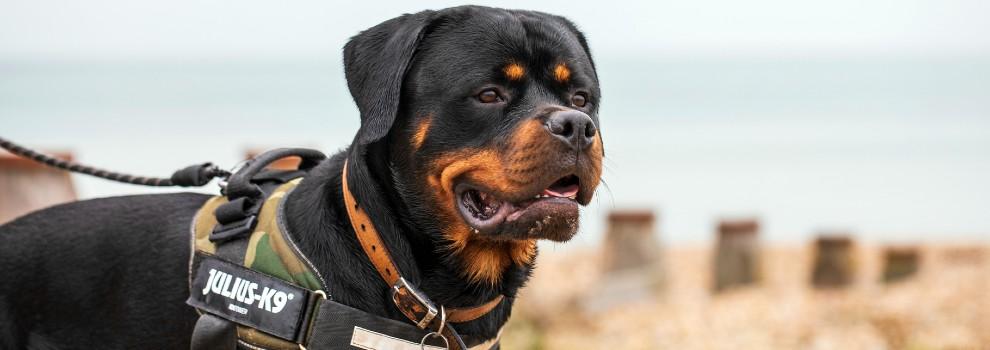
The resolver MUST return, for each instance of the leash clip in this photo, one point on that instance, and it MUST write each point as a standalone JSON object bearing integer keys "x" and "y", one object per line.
{"x": 233, "y": 170}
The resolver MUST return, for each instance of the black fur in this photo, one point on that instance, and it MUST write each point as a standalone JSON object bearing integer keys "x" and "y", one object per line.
{"x": 103, "y": 273}
{"x": 112, "y": 273}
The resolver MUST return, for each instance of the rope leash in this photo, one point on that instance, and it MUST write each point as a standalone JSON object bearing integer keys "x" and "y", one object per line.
{"x": 191, "y": 176}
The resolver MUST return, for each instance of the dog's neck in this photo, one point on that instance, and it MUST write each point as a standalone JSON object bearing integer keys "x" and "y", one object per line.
{"x": 318, "y": 221}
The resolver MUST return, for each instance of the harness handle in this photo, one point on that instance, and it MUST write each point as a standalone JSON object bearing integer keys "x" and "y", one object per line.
{"x": 239, "y": 215}
{"x": 239, "y": 184}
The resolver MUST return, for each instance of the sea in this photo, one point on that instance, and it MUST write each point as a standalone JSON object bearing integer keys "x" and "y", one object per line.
{"x": 887, "y": 149}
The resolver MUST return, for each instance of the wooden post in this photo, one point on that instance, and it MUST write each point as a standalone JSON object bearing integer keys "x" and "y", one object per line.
{"x": 631, "y": 262}
{"x": 834, "y": 265}
{"x": 900, "y": 263}
{"x": 964, "y": 255}
{"x": 629, "y": 242}
{"x": 26, "y": 186}
{"x": 737, "y": 253}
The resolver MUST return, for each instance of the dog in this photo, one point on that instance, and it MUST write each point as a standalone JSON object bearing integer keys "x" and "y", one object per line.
{"x": 479, "y": 136}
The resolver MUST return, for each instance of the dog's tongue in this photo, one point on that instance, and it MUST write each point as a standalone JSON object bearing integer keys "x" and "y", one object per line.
{"x": 561, "y": 191}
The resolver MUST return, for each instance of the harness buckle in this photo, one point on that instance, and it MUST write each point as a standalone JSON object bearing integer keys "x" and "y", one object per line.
{"x": 223, "y": 232}
{"x": 413, "y": 303}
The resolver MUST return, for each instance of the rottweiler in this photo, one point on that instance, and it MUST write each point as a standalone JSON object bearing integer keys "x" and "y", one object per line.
{"x": 479, "y": 136}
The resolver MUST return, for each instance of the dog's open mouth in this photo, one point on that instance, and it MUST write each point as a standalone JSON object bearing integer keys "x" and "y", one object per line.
{"x": 488, "y": 214}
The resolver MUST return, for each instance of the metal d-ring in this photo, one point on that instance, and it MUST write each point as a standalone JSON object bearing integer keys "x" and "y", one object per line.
{"x": 443, "y": 319}
{"x": 422, "y": 342}
{"x": 438, "y": 332}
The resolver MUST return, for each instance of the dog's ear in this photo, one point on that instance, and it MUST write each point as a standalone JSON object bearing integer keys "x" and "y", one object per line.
{"x": 375, "y": 64}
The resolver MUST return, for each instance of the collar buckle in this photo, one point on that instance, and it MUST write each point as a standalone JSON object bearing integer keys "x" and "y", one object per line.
{"x": 413, "y": 303}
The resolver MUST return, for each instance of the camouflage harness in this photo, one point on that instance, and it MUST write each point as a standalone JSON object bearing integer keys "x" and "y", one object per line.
{"x": 268, "y": 250}
{"x": 253, "y": 287}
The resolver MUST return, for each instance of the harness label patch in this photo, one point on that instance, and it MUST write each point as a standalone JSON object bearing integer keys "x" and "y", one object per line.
{"x": 248, "y": 297}
{"x": 244, "y": 291}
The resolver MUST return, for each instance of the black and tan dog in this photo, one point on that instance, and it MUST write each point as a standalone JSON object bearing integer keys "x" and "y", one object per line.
{"x": 479, "y": 136}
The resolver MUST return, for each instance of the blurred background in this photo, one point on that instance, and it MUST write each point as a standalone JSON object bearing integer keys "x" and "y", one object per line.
{"x": 779, "y": 174}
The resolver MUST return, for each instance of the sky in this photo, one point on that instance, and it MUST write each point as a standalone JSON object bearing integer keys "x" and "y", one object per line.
{"x": 120, "y": 29}
{"x": 867, "y": 116}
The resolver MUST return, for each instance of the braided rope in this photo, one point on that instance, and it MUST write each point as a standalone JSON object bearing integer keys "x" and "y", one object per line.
{"x": 83, "y": 169}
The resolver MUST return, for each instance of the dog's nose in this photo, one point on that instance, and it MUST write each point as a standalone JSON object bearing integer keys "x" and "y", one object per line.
{"x": 573, "y": 127}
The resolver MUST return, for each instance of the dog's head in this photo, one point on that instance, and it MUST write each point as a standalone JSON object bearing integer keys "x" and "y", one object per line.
{"x": 490, "y": 124}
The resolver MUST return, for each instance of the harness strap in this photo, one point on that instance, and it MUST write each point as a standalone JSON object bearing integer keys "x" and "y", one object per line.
{"x": 414, "y": 304}
{"x": 284, "y": 316}
{"x": 368, "y": 331}
{"x": 213, "y": 333}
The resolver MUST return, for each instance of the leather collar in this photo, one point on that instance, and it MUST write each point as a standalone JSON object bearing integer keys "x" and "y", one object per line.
{"x": 413, "y": 303}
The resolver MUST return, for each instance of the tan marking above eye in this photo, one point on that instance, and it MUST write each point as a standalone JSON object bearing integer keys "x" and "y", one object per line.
{"x": 514, "y": 71}
{"x": 421, "y": 131}
{"x": 561, "y": 73}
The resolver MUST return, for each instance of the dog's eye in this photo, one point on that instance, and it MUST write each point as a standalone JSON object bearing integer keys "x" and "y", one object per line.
{"x": 579, "y": 99}
{"x": 489, "y": 96}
